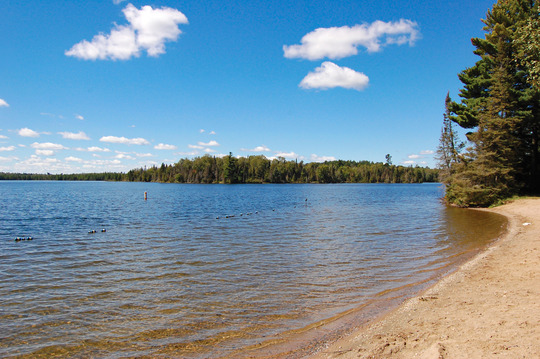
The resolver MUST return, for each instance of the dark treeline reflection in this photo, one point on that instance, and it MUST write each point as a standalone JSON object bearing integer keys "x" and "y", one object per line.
{"x": 254, "y": 169}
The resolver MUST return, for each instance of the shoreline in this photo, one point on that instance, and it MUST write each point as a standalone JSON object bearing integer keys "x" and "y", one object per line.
{"x": 487, "y": 307}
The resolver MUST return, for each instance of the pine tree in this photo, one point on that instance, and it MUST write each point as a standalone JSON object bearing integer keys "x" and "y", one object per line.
{"x": 503, "y": 108}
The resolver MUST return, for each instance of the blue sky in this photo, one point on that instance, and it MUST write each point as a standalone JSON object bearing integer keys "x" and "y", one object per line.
{"x": 109, "y": 85}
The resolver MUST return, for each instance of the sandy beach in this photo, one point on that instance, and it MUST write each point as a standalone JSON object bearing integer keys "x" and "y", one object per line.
{"x": 488, "y": 308}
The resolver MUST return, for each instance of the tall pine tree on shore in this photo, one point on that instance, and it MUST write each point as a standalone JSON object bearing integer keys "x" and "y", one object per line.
{"x": 501, "y": 104}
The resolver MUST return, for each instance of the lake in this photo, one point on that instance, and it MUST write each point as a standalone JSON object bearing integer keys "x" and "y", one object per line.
{"x": 215, "y": 270}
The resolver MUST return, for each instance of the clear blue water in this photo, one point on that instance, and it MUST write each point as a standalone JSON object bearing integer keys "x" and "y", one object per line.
{"x": 173, "y": 276}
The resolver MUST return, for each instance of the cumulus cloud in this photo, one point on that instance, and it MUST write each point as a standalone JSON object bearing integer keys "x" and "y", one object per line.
{"x": 195, "y": 147}
{"x": 47, "y": 146}
{"x": 330, "y": 75}
{"x": 124, "y": 140}
{"x": 340, "y": 42}
{"x": 192, "y": 153}
{"x": 202, "y": 131}
{"x": 26, "y": 132}
{"x": 422, "y": 154}
{"x": 8, "y": 148}
{"x": 124, "y": 156}
{"x": 73, "y": 159}
{"x": 96, "y": 149}
{"x": 74, "y": 136}
{"x": 3, "y": 103}
{"x": 262, "y": 148}
{"x": 410, "y": 162}
{"x": 148, "y": 30}
{"x": 287, "y": 155}
{"x": 7, "y": 159}
{"x": 212, "y": 133}
{"x": 144, "y": 155}
{"x": 163, "y": 146}
{"x": 315, "y": 158}
{"x": 211, "y": 143}
{"x": 79, "y": 117}
{"x": 45, "y": 152}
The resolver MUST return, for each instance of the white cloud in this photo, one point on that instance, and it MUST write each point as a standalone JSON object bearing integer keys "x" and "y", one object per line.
{"x": 148, "y": 30}
{"x": 315, "y": 158}
{"x": 3, "y": 137}
{"x": 124, "y": 140}
{"x": 195, "y": 147}
{"x": 9, "y": 148}
{"x": 97, "y": 149}
{"x": 124, "y": 156}
{"x": 211, "y": 143}
{"x": 202, "y": 131}
{"x": 163, "y": 146}
{"x": 340, "y": 42}
{"x": 47, "y": 146}
{"x": 212, "y": 133}
{"x": 7, "y": 159}
{"x": 3, "y": 103}
{"x": 262, "y": 148}
{"x": 144, "y": 155}
{"x": 192, "y": 153}
{"x": 73, "y": 159}
{"x": 74, "y": 136}
{"x": 26, "y": 132}
{"x": 209, "y": 150}
{"x": 408, "y": 162}
{"x": 116, "y": 2}
{"x": 287, "y": 155}
{"x": 426, "y": 152}
{"x": 412, "y": 157}
{"x": 330, "y": 75}
{"x": 45, "y": 152}
{"x": 79, "y": 117}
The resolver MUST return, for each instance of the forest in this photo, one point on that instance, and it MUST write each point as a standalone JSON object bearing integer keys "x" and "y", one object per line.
{"x": 500, "y": 109}
{"x": 254, "y": 169}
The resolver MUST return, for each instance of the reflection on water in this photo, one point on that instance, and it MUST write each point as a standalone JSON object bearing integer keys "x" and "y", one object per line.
{"x": 173, "y": 276}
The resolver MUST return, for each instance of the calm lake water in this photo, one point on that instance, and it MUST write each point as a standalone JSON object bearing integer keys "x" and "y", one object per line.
{"x": 173, "y": 277}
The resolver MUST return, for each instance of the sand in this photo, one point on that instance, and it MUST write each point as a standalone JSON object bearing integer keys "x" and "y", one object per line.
{"x": 488, "y": 308}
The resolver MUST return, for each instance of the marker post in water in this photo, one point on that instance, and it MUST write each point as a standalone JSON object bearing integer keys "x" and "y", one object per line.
{"x": 145, "y": 195}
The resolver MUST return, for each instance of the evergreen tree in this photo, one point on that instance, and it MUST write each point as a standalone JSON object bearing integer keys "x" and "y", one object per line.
{"x": 503, "y": 107}
{"x": 528, "y": 46}
{"x": 449, "y": 144}
{"x": 230, "y": 169}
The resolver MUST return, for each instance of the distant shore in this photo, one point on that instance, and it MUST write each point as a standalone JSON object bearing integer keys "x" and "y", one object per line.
{"x": 488, "y": 308}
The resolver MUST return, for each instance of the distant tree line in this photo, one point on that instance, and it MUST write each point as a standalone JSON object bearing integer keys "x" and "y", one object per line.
{"x": 254, "y": 169}
{"x": 259, "y": 169}
{"x": 106, "y": 176}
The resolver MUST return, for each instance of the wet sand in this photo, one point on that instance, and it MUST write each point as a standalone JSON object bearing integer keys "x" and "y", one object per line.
{"x": 488, "y": 308}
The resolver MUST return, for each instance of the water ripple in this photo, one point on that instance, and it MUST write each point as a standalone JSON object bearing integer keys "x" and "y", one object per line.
{"x": 169, "y": 278}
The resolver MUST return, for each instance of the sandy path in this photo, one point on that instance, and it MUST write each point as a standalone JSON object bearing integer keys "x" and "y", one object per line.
{"x": 489, "y": 308}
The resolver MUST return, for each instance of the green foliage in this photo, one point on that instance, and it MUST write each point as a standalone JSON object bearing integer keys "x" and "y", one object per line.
{"x": 259, "y": 169}
{"x": 107, "y": 176}
{"x": 528, "y": 46}
{"x": 254, "y": 169}
{"x": 499, "y": 102}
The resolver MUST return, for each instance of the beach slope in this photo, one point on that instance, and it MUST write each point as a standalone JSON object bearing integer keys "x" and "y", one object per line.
{"x": 489, "y": 308}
